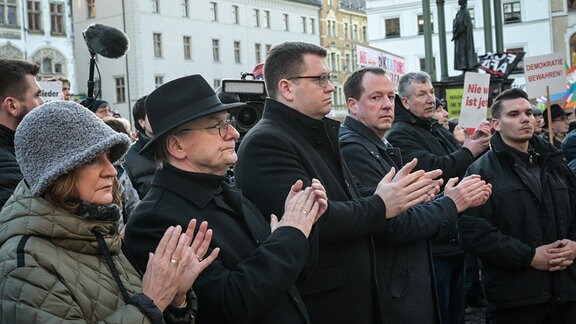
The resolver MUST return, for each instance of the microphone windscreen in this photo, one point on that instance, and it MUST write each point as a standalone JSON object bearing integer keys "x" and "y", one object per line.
{"x": 106, "y": 40}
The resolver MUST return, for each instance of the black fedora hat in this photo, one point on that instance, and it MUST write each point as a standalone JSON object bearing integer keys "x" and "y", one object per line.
{"x": 556, "y": 111}
{"x": 178, "y": 102}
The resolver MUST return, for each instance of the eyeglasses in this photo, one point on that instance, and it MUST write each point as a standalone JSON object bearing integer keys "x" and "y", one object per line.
{"x": 561, "y": 118}
{"x": 221, "y": 126}
{"x": 322, "y": 78}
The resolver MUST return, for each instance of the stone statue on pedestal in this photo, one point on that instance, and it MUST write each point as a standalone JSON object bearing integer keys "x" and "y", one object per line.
{"x": 465, "y": 58}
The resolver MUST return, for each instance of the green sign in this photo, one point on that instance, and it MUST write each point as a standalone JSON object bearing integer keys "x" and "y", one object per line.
{"x": 454, "y": 101}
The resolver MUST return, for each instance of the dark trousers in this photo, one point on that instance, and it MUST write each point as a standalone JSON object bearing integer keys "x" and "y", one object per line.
{"x": 547, "y": 313}
{"x": 449, "y": 273}
{"x": 473, "y": 285}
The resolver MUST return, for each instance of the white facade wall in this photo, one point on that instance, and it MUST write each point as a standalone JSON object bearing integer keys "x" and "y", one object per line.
{"x": 18, "y": 42}
{"x": 533, "y": 32}
{"x": 141, "y": 23}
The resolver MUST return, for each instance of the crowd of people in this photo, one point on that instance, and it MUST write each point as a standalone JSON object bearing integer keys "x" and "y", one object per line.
{"x": 395, "y": 215}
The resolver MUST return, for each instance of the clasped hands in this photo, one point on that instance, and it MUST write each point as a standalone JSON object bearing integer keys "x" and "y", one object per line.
{"x": 554, "y": 256}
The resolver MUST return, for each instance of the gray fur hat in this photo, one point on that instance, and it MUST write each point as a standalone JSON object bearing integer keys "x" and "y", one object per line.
{"x": 60, "y": 136}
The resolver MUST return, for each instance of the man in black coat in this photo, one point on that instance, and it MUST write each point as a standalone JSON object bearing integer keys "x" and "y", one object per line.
{"x": 253, "y": 279}
{"x": 403, "y": 256}
{"x": 19, "y": 94}
{"x": 418, "y": 135}
{"x": 294, "y": 141}
{"x": 525, "y": 233}
{"x": 140, "y": 166}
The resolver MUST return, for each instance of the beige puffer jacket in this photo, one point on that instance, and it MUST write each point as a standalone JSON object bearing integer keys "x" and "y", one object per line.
{"x": 51, "y": 268}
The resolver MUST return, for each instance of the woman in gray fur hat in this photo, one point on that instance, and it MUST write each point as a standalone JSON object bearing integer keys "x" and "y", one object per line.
{"x": 60, "y": 253}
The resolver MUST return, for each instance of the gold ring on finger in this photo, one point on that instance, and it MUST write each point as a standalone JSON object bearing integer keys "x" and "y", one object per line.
{"x": 199, "y": 258}
{"x": 174, "y": 262}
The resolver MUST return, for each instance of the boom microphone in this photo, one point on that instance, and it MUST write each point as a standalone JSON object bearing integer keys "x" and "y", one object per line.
{"x": 105, "y": 40}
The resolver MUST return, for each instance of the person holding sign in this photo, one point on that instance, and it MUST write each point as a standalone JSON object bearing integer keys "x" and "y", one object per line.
{"x": 524, "y": 234}
{"x": 417, "y": 135}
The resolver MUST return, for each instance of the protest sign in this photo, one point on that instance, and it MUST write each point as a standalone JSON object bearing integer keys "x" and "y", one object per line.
{"x": 474, "y": 99}
{"x": 393, "y": 64}
{"x": 542, "y": 71}
{"x": 454, "y": 101}
{"x": 51, "y": 90}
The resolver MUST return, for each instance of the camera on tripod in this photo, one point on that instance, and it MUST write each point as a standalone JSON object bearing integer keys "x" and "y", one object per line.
{"x": 250, "y": 92}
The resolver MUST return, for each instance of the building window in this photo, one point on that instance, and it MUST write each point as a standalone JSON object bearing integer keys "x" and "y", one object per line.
{"x": 346, "y": 35}
{"x": 256, "y": 17}
{"x": 312, "y": 26}
{"x": 364, "y": 34}
{"x": 157, "y": 38}
{"x": 155, "y": 6}
{"x": 57, "y": 18}
{"x": 472, "y": 16}
{"x": 348, "y": 62}
{"x": 8, "y": 12}
{"x": 216, "y": 50}
{"x": 257, "y": 51}
{"x": 237, "y": 52}
{"x": 334, "y": 30}
{"x": 286, "y": 22}
{"x": 236, "y": 14}
{"x": 266, "y": 19}
{"x": 355, "y": 35}
{"x": 185, "y": 8}
{"x": 268, "y": 48}
{"x": 34, "y": 15}
{"x": 46, "y": 66}
{"x": 512, "y": 12}
{"x": 217, "y": 83}
{"x": 120, "y": 89}
{"x": 423, "y": 66}
{"x": 158, "y": 80}
{"x": 421, "y": 24}
{"x": 91, "y": 6}
{"x": 214, "y": 11}
{"x": 328, "y": 29}
{"x": 571, "y": 5}
{"x": 519, "y": 69}
{"x": 392, "y": 27}
{"x": 334, "y": 62}
{"x": 303, "y": 22}
{"x": 187, "y": 41}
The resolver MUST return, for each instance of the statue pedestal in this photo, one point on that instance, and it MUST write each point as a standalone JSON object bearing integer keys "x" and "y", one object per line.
{"x": 452, "y": 88}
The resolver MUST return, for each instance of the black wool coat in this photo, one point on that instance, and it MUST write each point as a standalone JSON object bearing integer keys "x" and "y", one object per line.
{"x": 10, "y": 173}
{"x": 140, "y": 166}
{"x": 285, "y": 146}
{"x": 404, "y": 268}
{"x": 435, "y": 148}
{"x": 505, "y": 232}
{"x": 253, "y": 278}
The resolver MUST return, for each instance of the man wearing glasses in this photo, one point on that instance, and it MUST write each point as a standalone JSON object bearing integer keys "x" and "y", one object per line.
{"x": 560, "y": 125}
{"x": 253, "y": 278}
{"x": 294, "y": 140}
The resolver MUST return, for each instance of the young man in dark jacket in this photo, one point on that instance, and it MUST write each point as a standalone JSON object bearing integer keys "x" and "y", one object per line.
{"x": 403, "y": 257}
{"x": 140, "y": 166}
{"x": 525, "y": 233}
{"x": 19, "y": 94}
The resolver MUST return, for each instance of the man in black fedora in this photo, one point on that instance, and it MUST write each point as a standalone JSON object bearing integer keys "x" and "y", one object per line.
{"x": 560, "y": 125}
{"x": 253, "y": 279}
